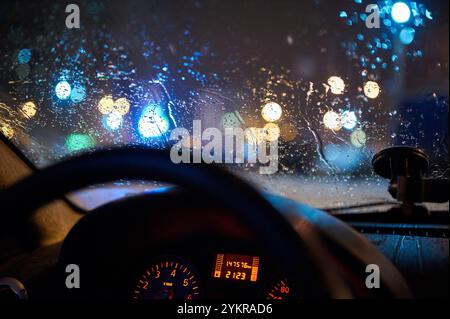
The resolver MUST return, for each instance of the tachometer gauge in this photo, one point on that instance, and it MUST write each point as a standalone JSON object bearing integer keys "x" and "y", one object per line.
{"x": 280, "y": 291}
{"x": 168, "y": 278}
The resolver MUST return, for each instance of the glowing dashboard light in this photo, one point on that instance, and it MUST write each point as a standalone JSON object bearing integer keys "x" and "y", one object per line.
{"x": 7, "y": 131}
{"x": 332, "y": 121}
{"x": 271, "y": 112}
{"x": 78, "y": 94}
{"x": 349, "y": 120}
{"x": 358, "y": 138}
{"x": 400, "y": 12}
{"x": 272, "y": 132}
{"x": 337, "y": 85}
{"x": 122, "y": 106}
{"x": 63, "y": 90}
{"x": 106, "y": 105}
{"x": 371, "y": 89}
{"x": 153, "y": 122}
{"x": 236, "y": 267}
{"x": 28, "y": 109}
{"x": 113, "y": 121}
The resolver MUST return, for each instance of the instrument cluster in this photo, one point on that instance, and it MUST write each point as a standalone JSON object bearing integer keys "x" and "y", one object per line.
{"x": 171, "y": 277}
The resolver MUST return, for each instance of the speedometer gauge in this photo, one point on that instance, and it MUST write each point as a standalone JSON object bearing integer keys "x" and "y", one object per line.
{"x": 168, "y": 278}
{"x": 281, "y": 290}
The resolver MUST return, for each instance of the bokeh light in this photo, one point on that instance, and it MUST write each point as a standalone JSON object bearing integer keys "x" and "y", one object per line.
{"x": 153, "y": 122}
{"x": 28, "y": 109}
{"x": 113, "y": 121}
{"x": 358, "y": 138}
{"x": 288, "y": 132}
{"x": 400, "y": 13}
{"x": 332, "y": 121}
{"x": 7, "y": 131}
{"x": 371, "y": 89}
{"x": 122, "y": 106}
{"x": 349, "y": 120}
{"x": 63, "y": 90}
{"x": 106, "y": 105}
{"x": 78, "y": 94}
{"x": 271, "y": 112}
{"x": 78, "y": 142}
{"x": 272, "y": 131}
{"x": 407, "y": 35}
{"x": 342, "y": 157}
{"x": 337, "y": 85}
{"x": 24, "y": 56}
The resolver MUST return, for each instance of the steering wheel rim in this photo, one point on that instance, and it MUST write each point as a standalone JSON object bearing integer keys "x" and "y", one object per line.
{"x": 135, "y": 163}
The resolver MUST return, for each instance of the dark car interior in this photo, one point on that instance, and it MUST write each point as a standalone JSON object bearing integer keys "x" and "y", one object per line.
{"x": 93, "y": 205}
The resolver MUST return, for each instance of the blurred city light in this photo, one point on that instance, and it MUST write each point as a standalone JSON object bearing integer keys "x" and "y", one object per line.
{"x": 24, "y": 56}
{"x": 358, "y": 138}
{"x": 332, "y": 121}
{"x": 271, "y": 112}
{"x": 337, "y": 85}
{"x": 113, "y": 121}
{"x": 7, "y": 131}
{"x": 407, "y": 35}
{"x": 106, "y": 105}
{"x": 371, "y": 89}
{"x": 349, "y": 120}
{"x": 78, "y": 94}
{"x": 153, "y": 122}
{"x": 400, "y": 12}
{"x": 79, "y": 142}
{"x": 63, "y": 90}
{"x": 122, "y": 106}
{"x": 28, "y": 109}
{"x": 272, "y": 131}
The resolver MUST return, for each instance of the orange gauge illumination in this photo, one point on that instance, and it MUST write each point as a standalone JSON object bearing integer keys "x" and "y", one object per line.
{"x": 169, "y": 278}
{"x": 280, "y": 291}
{"x": 236, "y": 267}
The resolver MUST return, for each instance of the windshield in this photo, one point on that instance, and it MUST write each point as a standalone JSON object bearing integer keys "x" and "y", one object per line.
{"x": 333, "y": 82}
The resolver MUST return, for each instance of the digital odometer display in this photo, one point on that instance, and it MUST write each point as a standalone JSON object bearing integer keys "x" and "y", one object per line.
{"x": 236, "y": 267}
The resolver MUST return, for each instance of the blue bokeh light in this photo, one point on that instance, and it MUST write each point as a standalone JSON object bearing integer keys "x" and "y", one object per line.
{"x": 342, "y": 157}
{"x": 401, "y": 13}
{"x": 153, "y": 122}
{"x": 349, "y": 120}
{"x": 63, "y": 90}
{"x": 78, "y": 94}
{"x": 407, "y": 35}
{"x": 113, "y": 121}
{"x": 24, "y": 56}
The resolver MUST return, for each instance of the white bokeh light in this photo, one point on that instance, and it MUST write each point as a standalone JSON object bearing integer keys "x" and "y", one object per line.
{"x": 271, "y": 112}
{"x": 349, "y": 120}
{"x": 371, "y": 89}
{"x": 401, "y": 13}
{"x": 63, "y": 90}
{"x": 337, "y": 85}
{"x": 332, "y": 121}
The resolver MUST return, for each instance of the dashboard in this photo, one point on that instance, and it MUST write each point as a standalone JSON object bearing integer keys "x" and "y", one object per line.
{"x": 175, "y": 253}
{"x": 170, "y": 277}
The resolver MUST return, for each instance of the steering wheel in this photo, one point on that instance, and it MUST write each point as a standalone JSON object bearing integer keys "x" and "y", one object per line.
{"x": 303, "y": 252}
{"x": 247, "y": 204}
